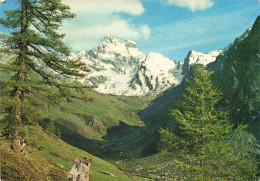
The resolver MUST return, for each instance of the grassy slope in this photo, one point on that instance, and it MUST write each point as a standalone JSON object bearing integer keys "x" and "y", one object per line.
{"x": 92, "y": 119}
{"x": 49, "y": 158}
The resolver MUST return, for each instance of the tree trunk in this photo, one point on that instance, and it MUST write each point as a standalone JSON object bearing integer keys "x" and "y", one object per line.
{"x": 16, "y": 111}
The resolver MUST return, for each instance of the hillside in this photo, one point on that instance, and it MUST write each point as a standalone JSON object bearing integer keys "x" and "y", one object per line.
{"x": 49, "y": 158}
{"x": 237, "y": 72}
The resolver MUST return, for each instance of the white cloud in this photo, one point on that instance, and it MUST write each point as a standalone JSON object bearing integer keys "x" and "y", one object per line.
{"x": 193, "y": 5}
{"x": 133, "y": 7}
{"x": 98, "y": 18}
{"x": 146, "y": 31}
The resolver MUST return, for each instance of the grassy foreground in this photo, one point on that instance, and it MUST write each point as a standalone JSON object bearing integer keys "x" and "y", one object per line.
{"x": 49, "y": 158}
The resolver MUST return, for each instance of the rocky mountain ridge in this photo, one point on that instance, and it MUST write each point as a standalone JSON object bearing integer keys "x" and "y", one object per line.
{"x": 237, "y": 72}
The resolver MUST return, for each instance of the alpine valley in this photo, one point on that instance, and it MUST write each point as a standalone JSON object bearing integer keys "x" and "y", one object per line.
{"x": 132, "y": 95}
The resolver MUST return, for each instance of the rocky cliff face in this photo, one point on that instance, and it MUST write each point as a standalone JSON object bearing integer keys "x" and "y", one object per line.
{"x": 118, "y": 67}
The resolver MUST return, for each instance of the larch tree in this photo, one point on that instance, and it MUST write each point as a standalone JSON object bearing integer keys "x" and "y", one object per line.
{"x": 37, "y": 71}
{"x": 203, "y": 150}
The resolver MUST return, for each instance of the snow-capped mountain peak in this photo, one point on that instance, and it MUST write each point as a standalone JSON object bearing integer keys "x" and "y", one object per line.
{"x": 119, "y": 67}
{"x": 112, "y": 47}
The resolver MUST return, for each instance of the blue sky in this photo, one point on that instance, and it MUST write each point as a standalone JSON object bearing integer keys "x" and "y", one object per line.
{"x": 170, "y": 27}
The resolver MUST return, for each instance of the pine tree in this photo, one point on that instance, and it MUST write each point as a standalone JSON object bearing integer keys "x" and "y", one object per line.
{"x": 37, "y": 72}
{"x": 203, "y": 150}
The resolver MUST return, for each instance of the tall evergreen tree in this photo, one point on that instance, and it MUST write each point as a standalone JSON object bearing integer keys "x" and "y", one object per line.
{"x": 203, "y": 150}
{"x": 37, "y": 71}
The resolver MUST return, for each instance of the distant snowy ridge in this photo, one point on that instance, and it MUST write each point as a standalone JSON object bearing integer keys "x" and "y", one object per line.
{"x": 5, "y": 57}
{"x": 118, "y": 67}
{"x": 194, "y": 58}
